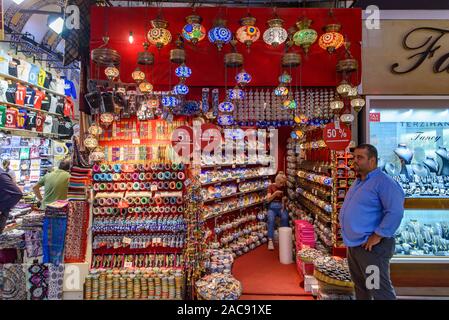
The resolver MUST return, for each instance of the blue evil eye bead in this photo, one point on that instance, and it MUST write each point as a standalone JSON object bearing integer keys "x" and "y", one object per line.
{"x": 327, "y": 181}
{"x": 236, "y": 94}
{"x": 181, "y": 89}
{"x": 243, "y": 78}
{"x": 226, "y": 107}
{"x": 169, "y": 101}
{"x": 183, "y": 71}
{"x": 219, "y": 35}
{"x": 225, "y": 120}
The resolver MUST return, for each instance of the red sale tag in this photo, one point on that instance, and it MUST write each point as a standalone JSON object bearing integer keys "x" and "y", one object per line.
{"x": 336, "y": 139}
{"x": 374, "y": 117}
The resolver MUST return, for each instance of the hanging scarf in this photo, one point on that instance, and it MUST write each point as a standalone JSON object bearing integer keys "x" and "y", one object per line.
{"x": 53, "y": 240}
{"x": 76, "y": 236}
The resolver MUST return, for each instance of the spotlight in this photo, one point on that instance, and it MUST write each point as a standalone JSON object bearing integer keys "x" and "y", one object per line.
{"x": 131, "y": 38}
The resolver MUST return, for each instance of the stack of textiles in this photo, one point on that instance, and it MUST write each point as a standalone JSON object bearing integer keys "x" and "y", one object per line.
{"x": 20, "y": 209}
{"x": 54, "y": 230}
{"x": 80, "y": 178}
{"x": 12, "y": 239}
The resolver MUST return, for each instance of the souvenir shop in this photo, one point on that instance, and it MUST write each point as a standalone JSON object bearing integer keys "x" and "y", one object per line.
{"x": 187, "y": 116}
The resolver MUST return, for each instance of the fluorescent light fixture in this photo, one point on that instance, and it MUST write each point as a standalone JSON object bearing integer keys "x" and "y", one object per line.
{"x": 18, "y": 1}
{"x": 57, "y": 25}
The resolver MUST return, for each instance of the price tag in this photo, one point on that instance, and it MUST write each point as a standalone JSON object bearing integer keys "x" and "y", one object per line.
{"x": 128, "y": 264}
{"x": 126, "y": 240}
{"x": 136, "y": 141}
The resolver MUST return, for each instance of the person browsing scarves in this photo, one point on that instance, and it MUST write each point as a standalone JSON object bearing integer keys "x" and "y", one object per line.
{"x": 55, "y": 183}
{"x": 371, "y": 214}
{"x": 276, "y": 197}
{"x": 10, "y": 195}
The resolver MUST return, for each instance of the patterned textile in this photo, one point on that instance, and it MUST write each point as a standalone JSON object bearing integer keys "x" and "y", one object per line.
{"x": 14, "y": 282}
{"x": 53, "y": 240}
{"x": 55, "y": 283}
{"x": 37, "y": 281}
{"x": 76, "y": 236}
{"x": 33, "y": 243}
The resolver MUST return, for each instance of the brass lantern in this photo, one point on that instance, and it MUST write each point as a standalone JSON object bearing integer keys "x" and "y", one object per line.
{"x": 95, "y": 129}
{"x": 337, "y": 104}
{"x": 332, "y": 39}
{"x": 145, "y": 87}
{"x": 111, "y": 72}
{"x": 159, "y": 35}
{"x": 306, "y": 36}
{"x": 344, "y": 88}
{"x": 358, "y": 103}
{"x": 90, "y": 142}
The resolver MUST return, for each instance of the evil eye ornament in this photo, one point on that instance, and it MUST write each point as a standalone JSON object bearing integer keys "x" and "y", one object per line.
{"x": 285, "y": 78}
{"x": 226, "y": 120}
{"x": 183, "y": 71}
{"x": 281, "y": 91}
{"x": 181, "y": 89}
{"x": 243, "y": 78}
{"x": 169, "y": 101}
{"x": 226, "y": 107}
{"x": 219, "y": 35}
{"x": 236, "y": 94}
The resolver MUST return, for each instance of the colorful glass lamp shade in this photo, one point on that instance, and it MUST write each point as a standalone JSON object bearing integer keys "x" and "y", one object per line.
{"x": 358, "y": 103}
{"x": 306, "y": 36}
{"x": 170, "y": 101}
{"x": 193, "y": 31}
{"x": 285, "y": 78}
{"x": 332, "y": 39}
{"x": 236, "y": 94}
{"x": 275, "y": 34}
{"x": 111, "y": 72}
{"x": 225, "y": 120}
{"x": 219, "y": 34}
{"x": 138, "y": 75}
{"x": 91, "y": 142}
{"x": 95, "y": 129}
{"x": 159, "y": 35}
{"x": 248, "y": 33}
{"x": 181, "y": 89}
{"x": 145, "y": 87}
{"x": 337, "y": 104}
{"x": 281, "y": 91}
{"x": 183, "y": 72}
{"x": 243, "y": 78}
{"x": 290, "y": 104}
{"x": 106, "y": 119}
{"x": 344, "y": 88}
{"x": 347, "y": 118}
{"x": 226, "y": 106}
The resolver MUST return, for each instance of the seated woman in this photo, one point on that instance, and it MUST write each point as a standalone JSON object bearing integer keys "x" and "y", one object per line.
{"x": 277, "y": 198}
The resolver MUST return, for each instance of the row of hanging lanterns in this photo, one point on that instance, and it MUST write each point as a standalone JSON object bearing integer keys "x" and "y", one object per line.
{"x": 248, "y": 33}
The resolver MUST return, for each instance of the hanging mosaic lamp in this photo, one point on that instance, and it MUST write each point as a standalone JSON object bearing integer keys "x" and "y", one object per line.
{"x": 358, "y": 103}
{"x": 180, "y": 89}
{"x": 281, "y": 91}
{"x": 219, "y": 34}
{"x": 90, "y": 142}
{"x": 145, "y": 58}
{"x": 353, "y": 92}
{"x": 183, "y": 72}
{"x": 337, "y": 104}
{"x": 236, "y": 93}
{"x": 275, "y": 35}
{"x": 153, "y": 103}
{"x": 193, "y": 31}
{"x": 347, "y": 118}
{"x": 145, "y": 87}
{"x": 348, "y": 64}
{"x": 104, "y": 56}
{"x": 306, "y": 36}
{"x": 344, "y": 88}
{"x": 111, "y": 72}
{"x": 95, "y": 129}
{"x": 106, "y": 119}
{"x": 159, "y": 35}
{"x": 225, "y": 120}
{"x": 285, "y": 78}
{"x": 226, "y": 106}
{"x": 170, "y": 101}
{"x": 178, "y": 54}
{"x": 138, "y": 75}
{"x": 248, "y": 33}
{"x": 290, "y": 104}
{"x": 332, "y": 39}
{"x": 243, "y": 78}
{"x": 97, "y": 155}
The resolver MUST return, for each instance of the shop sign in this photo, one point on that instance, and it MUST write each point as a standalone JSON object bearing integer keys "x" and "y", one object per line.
{"x": 336, "y": 138}
{"x": 406, "y": 57}
{"x": 374, "y": 116}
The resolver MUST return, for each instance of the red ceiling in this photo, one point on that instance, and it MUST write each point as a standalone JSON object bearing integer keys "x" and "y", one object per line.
{"x": 262, "y": 62}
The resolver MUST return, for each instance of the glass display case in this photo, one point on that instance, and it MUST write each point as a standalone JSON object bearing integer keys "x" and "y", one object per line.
{"x": 413, "y": 148}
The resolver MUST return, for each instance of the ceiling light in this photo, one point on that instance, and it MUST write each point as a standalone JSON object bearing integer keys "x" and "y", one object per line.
{"x": 57, "y": 25}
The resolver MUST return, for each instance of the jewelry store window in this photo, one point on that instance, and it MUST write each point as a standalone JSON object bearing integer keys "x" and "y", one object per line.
{"x": 413, "y": 146}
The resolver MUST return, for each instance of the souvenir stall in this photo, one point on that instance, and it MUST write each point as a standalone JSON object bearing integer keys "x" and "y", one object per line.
{"x": 187, "y": 130}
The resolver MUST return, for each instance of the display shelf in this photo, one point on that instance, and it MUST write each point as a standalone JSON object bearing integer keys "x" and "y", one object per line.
{"x": 235, "y": 209}
{"x": 30, "y": 109}
{"x": 151, "y": 250}
{"x": 236, "y": 179}
{"x": 234, "y": 165}
{"x": 142, "y": 232}
{"x": 15, "y": 79}
{"x": 233, "y": 195}
{"x": 25, "y": 133}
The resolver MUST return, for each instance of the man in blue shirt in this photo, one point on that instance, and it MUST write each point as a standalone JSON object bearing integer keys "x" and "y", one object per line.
{"x": 371, "y": 214}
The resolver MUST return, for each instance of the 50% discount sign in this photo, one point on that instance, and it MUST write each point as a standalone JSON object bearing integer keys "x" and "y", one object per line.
{"x": 336, "y": 138}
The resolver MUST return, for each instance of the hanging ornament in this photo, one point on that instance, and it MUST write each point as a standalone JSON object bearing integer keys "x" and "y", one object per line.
{"x": 153, "y": 103}
{"x": 170, "y": 101}
{"x": 90, "y": 142}
{"x": 332, "y": 39}
{"x": 306, "y": 36}
{"x": 225, "y": 120}
{"x": 145, "y": 87}
{"x": 236, "y": 93}
{"x": 352, "y": 92}
{"x": 138, "y": 75}
{"x": 344, "y": 88}
{"x": 95, "y": 129}
{"x": 97, "y": 155}
{"x": 337, "y": 104}
{"x": 106, "y": 119}
{"x": 178, "y": 55}
{"x": 226, "y": 107}
{"x": 285, "y": 78}
{"x": 281, "y": 91}
{"x": 248, "y": 33}
{"x": 183, "y": 72}
{"x": 193, "y": 31}
{"x": 181, "y": 89}
{"x": 275, "y": 34}
{"x": 111, "y": 72}
{"x": 290, "y": 104}
{"x": 243, "y": 78}
{"x": 347, "y": 118}
{"x": 358, "y": 103}
{"x": 159, "y": 35}
{"x": 219, "y": 34}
